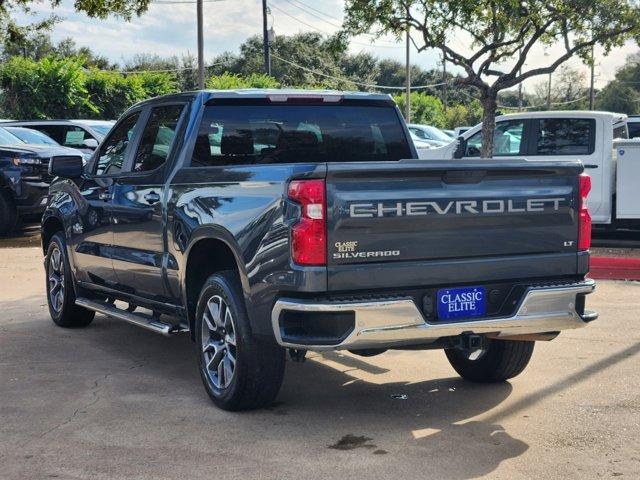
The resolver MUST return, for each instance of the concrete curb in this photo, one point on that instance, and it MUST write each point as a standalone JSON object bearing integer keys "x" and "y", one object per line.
{"x": 615, "y": 268}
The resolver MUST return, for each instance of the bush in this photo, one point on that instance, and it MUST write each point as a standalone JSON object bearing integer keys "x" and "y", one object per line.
{"x": 63, "y": 88}
{"x": 425, "y": 109}
{"x": 228, "y": 81}
{"x": 49, "y": 88}
{"x": 112, "y": 93}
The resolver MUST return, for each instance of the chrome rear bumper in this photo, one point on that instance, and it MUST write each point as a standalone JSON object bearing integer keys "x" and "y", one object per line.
{"x": 399, "y": 322}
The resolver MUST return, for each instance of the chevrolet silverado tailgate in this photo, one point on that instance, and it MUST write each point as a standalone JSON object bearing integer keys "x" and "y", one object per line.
{"x": 415, "y": 223}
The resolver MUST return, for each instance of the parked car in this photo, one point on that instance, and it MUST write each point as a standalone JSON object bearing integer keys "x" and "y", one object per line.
{"x": 284, "y": 219}
{"x": 449, "y": 133}
{"x": 84, "y": 135}
{"x": 428, "y": 134}
{"x": 460, "y": 130}
{"x": 633, "y": 123}
{"x": 24, "y": 179}
{"x": 29, "y": 135}
{"x": 418, "y": 142}
{"x": 584, "y": 135}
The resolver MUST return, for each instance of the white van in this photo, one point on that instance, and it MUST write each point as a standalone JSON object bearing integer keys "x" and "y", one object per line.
{"x": 584, "y": 135}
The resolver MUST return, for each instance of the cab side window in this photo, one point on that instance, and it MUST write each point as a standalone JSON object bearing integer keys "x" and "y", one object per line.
{"x": 113, "y": 150}
{"x": 566, "y": 136}
{"x": 157, "y": 138}
{"x": 507, "y": 140}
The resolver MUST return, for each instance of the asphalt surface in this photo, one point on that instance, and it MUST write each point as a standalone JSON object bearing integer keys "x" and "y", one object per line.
{"x": 115, "y": 402}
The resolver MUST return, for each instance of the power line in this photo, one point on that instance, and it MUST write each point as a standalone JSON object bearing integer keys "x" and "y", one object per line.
{"x": 291, "y": 2}
{"x": 316, "y": 10}
{"x": 342, "y": 79}
{"x": 284, "y": 12}
{"x": 303, "y": 6}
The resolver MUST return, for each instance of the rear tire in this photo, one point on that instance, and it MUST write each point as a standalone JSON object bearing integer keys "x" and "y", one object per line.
{"x": 8, "y": 214}
{"x": 239, "y": 371}
{"x": 498, "y": 361}
{"x": 61, "y": 296}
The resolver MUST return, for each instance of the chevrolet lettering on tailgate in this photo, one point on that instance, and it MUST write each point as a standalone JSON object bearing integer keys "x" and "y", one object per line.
{"x": 454, "y": 207}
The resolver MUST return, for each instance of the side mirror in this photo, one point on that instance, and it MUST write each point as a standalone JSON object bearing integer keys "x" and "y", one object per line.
{"x": 66, "y": 166}
{"x": 461, "y": 150}
{"x": 91, "y": 143}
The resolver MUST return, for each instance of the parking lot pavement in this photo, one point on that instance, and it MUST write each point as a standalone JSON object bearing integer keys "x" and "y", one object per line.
{"x": 115, "y": 402}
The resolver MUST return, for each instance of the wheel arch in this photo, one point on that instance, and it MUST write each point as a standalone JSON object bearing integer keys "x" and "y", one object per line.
{"x": 51, "y": 225}
{"x": 212, "y": 249}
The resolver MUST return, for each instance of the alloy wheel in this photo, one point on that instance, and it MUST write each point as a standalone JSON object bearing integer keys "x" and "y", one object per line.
{"x": 55, "y": 273}
{"x": 218, "y": 342}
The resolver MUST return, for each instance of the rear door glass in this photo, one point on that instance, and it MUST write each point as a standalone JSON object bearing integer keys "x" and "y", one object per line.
{"x": 566, "y": 136}
{"x": 263, "y": 134}
{"x": 634, "y": 129}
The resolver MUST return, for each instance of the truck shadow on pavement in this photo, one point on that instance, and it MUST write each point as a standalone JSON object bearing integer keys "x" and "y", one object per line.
{"x": 350, "y": 410}
{"x": 336, "y": 408}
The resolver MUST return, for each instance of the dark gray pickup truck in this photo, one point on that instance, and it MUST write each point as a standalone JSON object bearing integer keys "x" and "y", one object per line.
{"x": 265, "y": 220}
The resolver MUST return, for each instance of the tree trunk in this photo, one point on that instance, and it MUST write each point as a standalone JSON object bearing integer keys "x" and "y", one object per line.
{"x": 489, "y": 100}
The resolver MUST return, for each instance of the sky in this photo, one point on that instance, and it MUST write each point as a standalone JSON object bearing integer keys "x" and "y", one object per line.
{"x": 169, "y": 28}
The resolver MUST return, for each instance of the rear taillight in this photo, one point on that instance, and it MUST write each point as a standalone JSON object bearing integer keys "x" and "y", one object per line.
{"x": 309, "y": 234}
{"x": 584, "y": 221}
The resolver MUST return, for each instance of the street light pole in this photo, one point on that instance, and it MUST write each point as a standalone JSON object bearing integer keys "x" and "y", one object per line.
{"x": 408, "y": 75}
{"x": 200, "y": 16}
{"x": 265, "y": 39}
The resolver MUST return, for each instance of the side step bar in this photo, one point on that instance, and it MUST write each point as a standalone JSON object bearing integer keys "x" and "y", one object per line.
{"x": 139, "y": 319}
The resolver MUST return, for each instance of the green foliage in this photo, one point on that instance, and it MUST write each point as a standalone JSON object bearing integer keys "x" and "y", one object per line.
{"x": 429, "y": 110}
{"x": 44, "y": 89}
{"x": 502, "y": 33}
{"x": 228, "y": 81}
{"x": 425, "y": 109}
{"x": 623, "y": 93}
{"x": 63, "y": 88}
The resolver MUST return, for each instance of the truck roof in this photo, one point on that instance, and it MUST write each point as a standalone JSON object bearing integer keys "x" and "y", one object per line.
{"x": 270, "y": 92}
{"x": 614, "y": 117}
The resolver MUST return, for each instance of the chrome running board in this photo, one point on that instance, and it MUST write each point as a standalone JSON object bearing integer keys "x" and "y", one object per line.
{"x": 147, "y": 322}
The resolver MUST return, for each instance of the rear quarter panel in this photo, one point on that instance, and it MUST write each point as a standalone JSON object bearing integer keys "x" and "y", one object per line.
{"x": 245, "y": 207}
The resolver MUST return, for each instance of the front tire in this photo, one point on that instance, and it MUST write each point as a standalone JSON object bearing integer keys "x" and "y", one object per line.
{"x": 239, "y": 371}
{"x": 497, "y": 361}
{"x": 61, "y": 296}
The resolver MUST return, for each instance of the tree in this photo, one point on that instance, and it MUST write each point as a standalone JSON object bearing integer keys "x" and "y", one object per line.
{"x": 12, "y": 33}
{"x": 622, "y": 94}
{"x": 499, "y": 35}
{"x": 50, "y": 88}
{"x": 569, "y": 90}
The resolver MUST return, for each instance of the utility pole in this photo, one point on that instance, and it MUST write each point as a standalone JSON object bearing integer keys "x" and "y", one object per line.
{"x": 200, "y": 15}
{"x": 444, "y": 80}
{"x": 592, "y": 92}
{"x": 407, "y": 102}
{"x": 520, "y": 99}
{"x": 549, "y": 94}
{"x": 265, "y": 39}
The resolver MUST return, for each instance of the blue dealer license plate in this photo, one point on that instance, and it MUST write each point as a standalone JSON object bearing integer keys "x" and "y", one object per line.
{"x": 461, "y": 302}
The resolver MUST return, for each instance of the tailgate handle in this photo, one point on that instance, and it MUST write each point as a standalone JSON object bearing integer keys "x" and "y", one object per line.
{"x": 464, "y": 176}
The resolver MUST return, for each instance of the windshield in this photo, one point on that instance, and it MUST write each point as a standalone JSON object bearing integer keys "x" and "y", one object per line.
{"x": 267, "y": 133}
{"x": 7, "y": 138}
{"x": 101, "y": 128}
{"x": 437, "y": 134}
{"x": 33, "y": 137}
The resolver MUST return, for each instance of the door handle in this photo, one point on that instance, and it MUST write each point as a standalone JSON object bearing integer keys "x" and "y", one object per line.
{"x": 152, "y": 197}
{"x": 589, "y": 165}
{"x": 106, "y": 196}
